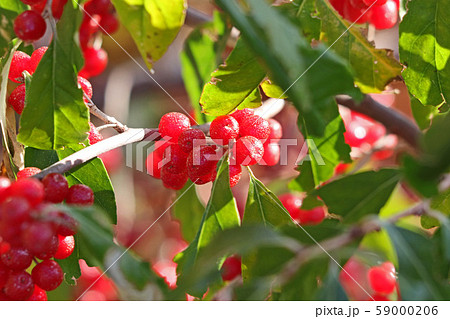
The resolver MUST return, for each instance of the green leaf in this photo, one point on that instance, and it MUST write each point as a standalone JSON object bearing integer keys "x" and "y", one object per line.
{"x": 423, "y": 114}
{"x": 419, "y": 271}
{"x": 9, "y": 9}
{"x": 220, "y": 214}
{"x": 263, "y": 206}
{"x": 153, "y": 24}
{"x": 201, "y": 55}
{"x": 272, "y": 90}
{"x": 306, "y": 13}
{"x": 92, "y": 174}
{"x": 358, "y": 195}
{"x": 291, "y": 61}
{"x": 374, "y": 68}
{"x": 331, "y": 289}
{"x": 324, "y": 152}
{"x": 189, "y": 211}
{"x": 424, "y": 172}
{"x": 55, "y": 114}
{"x": 425, "y": 51}
{"x": 234, "y": 84}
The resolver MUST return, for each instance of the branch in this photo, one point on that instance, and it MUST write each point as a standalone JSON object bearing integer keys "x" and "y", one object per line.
{"x": 340, "y": 241}
{"x": 395, "y": 122}
{"x": 90, "y": 152}
{"x": 108, "y": 120}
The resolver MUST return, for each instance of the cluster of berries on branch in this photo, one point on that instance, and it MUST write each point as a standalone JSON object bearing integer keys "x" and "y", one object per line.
{"x": 382, "y": 14}
{"x": 34, "y": 233}
{"x": 186, "y": 153}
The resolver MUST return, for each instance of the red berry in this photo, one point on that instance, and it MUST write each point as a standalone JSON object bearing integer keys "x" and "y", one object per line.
{"x": 80, "y": 195}
{"x": 271, "y": 155}
{"x": 56, "y": 187}
{"x": 379, "y": 298}
{"x": 377, "y": 3}
{"x": 202, "y": 161}
{"x": 231, "y": 268}
{"x": 66, "y": 247}
{"x": 353, "y": 279}
{"x": 223, "y": 129}
{"x": 235, "y": 174}
{"x": 190, "y": 138}
{"x": 58, "y": 8}
{"x": 175, "y": 159}
{"x": 20, "y": 62}
{"x": 65, "y": 224}
{"x": 384, "y": 16}
{"x": 341, "y": 168}
{"x": 382, "y": 278}
{"x": 36, "y": 58}
{"x": 50, "y": 250}
{"x": 15, "y": 211}
{"x": 17, "y": 259}
{"x": 38, "y": 294}
{"x": 48, "y": 275}
{"x": 97, "y": 7}
{"x": 19, "y": 286}
{"x": 292, "y": 203}
{"x": 4, "y": 247}
{"x": 17, "y": 99}
{"x": 153, "y": 164}
{"x": 248, "y": 150}
{"x": 361, "y": 130}
{"x": 37, "y": 237}
{"x": 172, "y": 125}
{"x": 29, "y": 188}
{"x": 356, "y": 15}
{"x": 27, "y": 172}
{"x": 109, "y": 23}
{"x": 174, "y": 181}
{"x": 255, "y": 126}
{"x": 95, "y": 61}
{"x": 276, "y": 131}
{"x": 29, "y": 26}
{"x": 201, "y": 180}
{"x": 86, "y": 86}
{"x": 4, "y": 188}
{"x": 32, "y": 2}
{"x": 4, "y": 273}
{"x": 88, "y": 27}
{"x": 94, "y": 135}
{"x": 241, "y": 115}
{"x": 312, "y": 217}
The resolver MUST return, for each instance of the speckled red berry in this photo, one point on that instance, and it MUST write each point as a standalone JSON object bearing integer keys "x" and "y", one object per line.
{"x": 255, "y": 126}
{"x": 29, "y": 188}
{"x": 20, "y": 62}
{"x": 29, "y": 26}
{"x": 27, "y": 172}
{"x": 95, "y": 62}
{"x": 247, "y": 150}
{"x": 19, "y": 286}
{"x": 36, "y": 58}
{"x": 241, "y": 115}
{"x": 39, "y": 294}
{"x": 235, "y": 174}
{"x": 174, "y": 181}
{"x": 80, "y": 195}
{"x": 172, "y": 125}
{"x": 17, "y": 258}
{"x": 190, "y": 138}
{"x": 17, "y": 99}
{"x": 94, "y": 135}
{"x": 66, "y": 247}
{"x": 56, "y": 187}
{"x": 202, "y": 161}
{"x": 223, "y": 129}
{"x": 48, "y": 275}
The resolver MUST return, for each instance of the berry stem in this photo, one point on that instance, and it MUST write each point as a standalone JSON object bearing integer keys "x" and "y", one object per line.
{"x": 119, "y": 127}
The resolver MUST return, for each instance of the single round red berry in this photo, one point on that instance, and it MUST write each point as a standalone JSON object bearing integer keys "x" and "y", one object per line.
{"x": 80, "y": 195}
{"x": 356, "y": 15}
{"x": 271, "y": 155}
{"x": 223, "y": 129}
{"x": 29, "y": 188}
{"x": 235, "y": 174}
{"x": 27, "y": 172}
{"x": 175, "y": 159}
{"x": 241, "y": 115}
{"x": 231, "y": 268}
{"x": 190, "y": 138}
{"x": 17, "y": 258}
{"x": 276, "y": 131}
{"x": 36, "y": 58}
{"x": 172, "y": 125}
{"x": 248, "y": 150}
{"x": 20, "y": 62}
{"x": 201, "y": 180}
{"x": 39, "y": 294}
{"x": 64, "y": 224}
{"x": 15, "y": 211}
{"x": 29, "y": 26}
{"x": 38, "y": 236}
{"x": 94, "y": 135}
{"x": 89, "y": 26}
{"x": 66, "y": 247}
{"x": 255, "y": 126}
{"x": 50, "y": 249}
{"x": 174, "y": 181}
{"x": 48, "y": 275}
{"x": 292, "y": 203}
{"x": 58, "y": 8}
{"x": 86, "y": 86}
{"x": 202, "y": 161}
{"x": 19, "y": 286}
{"x": 95, "y": 61}
{"x": 17, "y": 99}
{"x": 56, "y": 187}
{"x": 382, "y": 278}
{"x": 97, "y": 7}
{"x": 312, "y": 217}
{"x": 109, "y": 23}
{"x": 384, "y": 16}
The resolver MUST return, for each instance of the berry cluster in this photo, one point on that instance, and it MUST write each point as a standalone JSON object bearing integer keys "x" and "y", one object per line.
{"x": 293, "y": 204}
{"x": 382, "y": 14}
{"x": 99, "y": 17}
{"x": 22, "y": 62}
{"x": 184, "y": 153}
{"x": 32, "y": 229}
{"x": 358, "y": 279}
